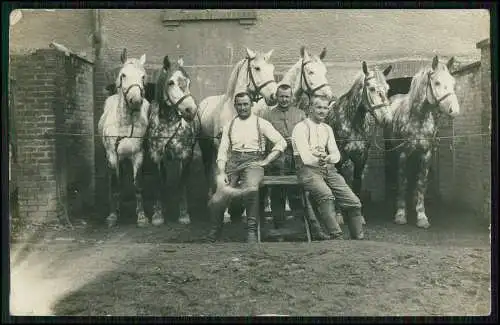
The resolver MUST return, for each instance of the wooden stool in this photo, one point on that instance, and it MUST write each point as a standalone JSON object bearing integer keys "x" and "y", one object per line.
{"x": 289, "y": 180}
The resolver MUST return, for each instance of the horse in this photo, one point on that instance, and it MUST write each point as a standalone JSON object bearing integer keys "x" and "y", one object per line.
{"x": 411, "y": 124}
{"x": 172, "y": 132}
{"x": 253, "y": 74}
{"x": 351, "y": 120}
{"x": 308, "y": 76}
{"x": 122, "y": 127}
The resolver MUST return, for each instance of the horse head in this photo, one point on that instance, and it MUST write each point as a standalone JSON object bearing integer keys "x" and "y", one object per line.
{"x": 261, "y": 76}
{"x": 313, "y": 79}
{"x": 173, "y": 88}
{"x": 130, "y": 81}
{"x": 375, "y": 90}
{"x": 440, "y": 89}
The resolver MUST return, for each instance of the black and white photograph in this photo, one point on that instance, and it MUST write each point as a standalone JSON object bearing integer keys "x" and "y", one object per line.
{"x": 249, "y": 162}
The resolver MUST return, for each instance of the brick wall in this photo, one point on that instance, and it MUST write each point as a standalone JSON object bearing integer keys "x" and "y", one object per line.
{"x": 41, "y": 101}
{"x": 464, "y": 161}
{"x": 76, "y": 93}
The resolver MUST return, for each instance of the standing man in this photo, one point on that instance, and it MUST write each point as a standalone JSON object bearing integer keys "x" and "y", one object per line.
{"x": 316, "y": 152}
{"x": 284, "y": 116}
{"x": 242, "y": 158}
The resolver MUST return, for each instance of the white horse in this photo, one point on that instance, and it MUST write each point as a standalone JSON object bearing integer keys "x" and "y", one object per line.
{"x": 123, "y": 125}
{"x": 253, "y": 74}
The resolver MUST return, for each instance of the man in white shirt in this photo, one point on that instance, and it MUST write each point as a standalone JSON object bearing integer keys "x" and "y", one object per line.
{"x": 316, "y": 153}
{"x": 242, "y": 158}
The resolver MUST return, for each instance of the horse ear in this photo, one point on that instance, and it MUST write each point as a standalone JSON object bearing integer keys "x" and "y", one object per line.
{"x": 304, "y": 54}
{"x": 142, "y": 60}
{"x": 250, "y": 54}
{"x": 365, "y": 68}
{"x": 435, "y": 62}
{"x": 449, "y": 65}
{"x": 166, "y": 63}
{"x": 387, "y": 70}
{"x": 180, "y": 62}
{"x": 123, "y": 57}
{"x": 267, "y": 56}
{"x": 322, "y": 54}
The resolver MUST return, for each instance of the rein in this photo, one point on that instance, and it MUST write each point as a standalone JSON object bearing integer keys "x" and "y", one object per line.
{"x": 255, "y": 95}
{"x": 124, "y": 94}
{"x": 309, "y": 91}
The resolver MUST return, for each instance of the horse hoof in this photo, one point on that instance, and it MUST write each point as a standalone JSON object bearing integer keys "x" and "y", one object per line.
{"x": 400, "y": 220}
{"x": 184, "y": 221}
{"x": 142, "y": 223}
{"x": 111, "y": 224}
{"x": 157, "y": 221}
{"x": 111, "y": 220}
{"x": 423, "y": 223}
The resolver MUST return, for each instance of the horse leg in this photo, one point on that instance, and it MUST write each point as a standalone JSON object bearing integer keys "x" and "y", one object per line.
{"x": 114, "y": 190}
{"x": 137, "y": 161}
{"x": 157, "y": 219}
{"x": 359, "y": 168}
{"x": 420, "y": 188}
{"x": 207, "y": 152}
{"x": 400, "y": 217}
{"x": 184, "y": 217}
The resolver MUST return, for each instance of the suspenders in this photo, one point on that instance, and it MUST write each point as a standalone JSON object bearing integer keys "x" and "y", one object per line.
{"x": 259, "y": 134}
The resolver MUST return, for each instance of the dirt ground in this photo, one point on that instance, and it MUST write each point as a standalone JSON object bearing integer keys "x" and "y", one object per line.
{"x": 166, "y": 271}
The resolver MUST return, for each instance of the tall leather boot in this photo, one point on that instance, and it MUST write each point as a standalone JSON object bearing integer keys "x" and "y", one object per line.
{"x": 327, "y": 214}
{"x": 215, "y": 228}
{"x": 316, "y": 230}
{"x": 251, "y": 230}
{"x": 311, "y": 212}
{"x": 216, "y": 210}
{"x": 355, "y": 224}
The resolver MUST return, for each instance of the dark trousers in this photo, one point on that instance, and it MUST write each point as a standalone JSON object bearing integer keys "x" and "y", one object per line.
{"x": 284, "y": 165}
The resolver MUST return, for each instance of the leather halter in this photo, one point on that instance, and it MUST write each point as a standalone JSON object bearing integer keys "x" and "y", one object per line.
{"x": 433, "y": 93}
{"x": 372, "y": 107}
{"x": 175, "y": 105}
{"x": 255, "y": 95}
{"x": 309, "y": 90}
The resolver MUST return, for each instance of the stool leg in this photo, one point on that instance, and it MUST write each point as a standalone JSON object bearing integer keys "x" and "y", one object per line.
{"x": 258, "y": 229}
{"x": 308, "y": 208}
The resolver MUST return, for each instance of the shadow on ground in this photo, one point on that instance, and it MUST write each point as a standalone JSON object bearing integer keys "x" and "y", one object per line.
{"x": 165, "y": 271}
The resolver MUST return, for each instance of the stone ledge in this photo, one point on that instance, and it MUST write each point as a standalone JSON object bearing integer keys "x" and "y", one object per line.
{"x": 175, "y": 17}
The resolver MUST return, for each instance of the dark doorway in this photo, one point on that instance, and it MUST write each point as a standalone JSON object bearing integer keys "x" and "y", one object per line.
{"x": 399, "y": 85}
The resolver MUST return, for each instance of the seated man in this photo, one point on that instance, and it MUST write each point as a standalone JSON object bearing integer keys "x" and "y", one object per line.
{"x": 316, "y": 153}
{"x": 241, "y": 158}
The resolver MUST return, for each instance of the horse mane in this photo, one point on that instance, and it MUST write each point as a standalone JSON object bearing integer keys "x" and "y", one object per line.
{"x": 231, "y": 84}
{"x": 350, "y": 101}
{"x": 417, "y": 92}
{"x": 292, "y": 78}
